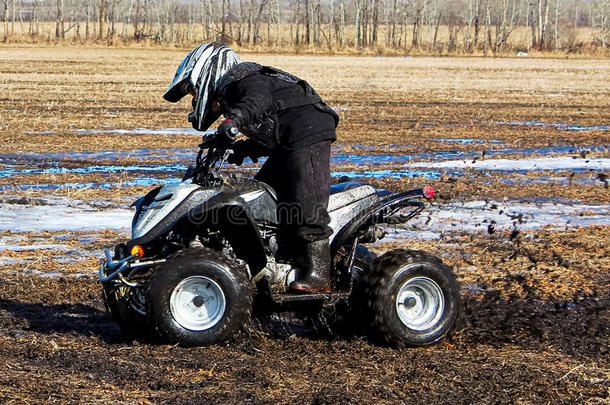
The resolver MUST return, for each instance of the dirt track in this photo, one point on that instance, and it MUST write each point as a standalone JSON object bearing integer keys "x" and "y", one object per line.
{"x": 59, "y": 345}
{"x": 536, "y": 303}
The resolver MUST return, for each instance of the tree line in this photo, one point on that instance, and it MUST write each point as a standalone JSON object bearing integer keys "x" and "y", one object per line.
{"x": 466, "y": 26}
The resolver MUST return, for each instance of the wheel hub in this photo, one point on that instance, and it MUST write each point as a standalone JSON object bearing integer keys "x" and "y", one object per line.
{"x": 420, "y": 303}
{"x": 410, "y": 302}
{"x": 197, "y": 303}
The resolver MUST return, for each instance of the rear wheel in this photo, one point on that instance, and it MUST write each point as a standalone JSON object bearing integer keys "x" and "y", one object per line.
{"x": 199, "y": 297}
{"x": 412, "y": 297}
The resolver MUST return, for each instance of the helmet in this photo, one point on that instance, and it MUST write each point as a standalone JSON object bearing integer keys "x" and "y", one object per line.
{"x": 202, "y": 68}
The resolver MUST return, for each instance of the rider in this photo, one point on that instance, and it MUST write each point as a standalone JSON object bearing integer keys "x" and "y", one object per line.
{"x": 284, "y": 118}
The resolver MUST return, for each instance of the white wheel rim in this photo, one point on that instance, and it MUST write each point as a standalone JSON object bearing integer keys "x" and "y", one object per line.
{"x": 197, "y": 303}
{"x": 420, "y": 303}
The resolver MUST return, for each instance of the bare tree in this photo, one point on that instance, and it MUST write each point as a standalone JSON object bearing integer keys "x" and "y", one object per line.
{"x": 5, "y": 20}
{"x": 480, "y": 24}
{"x": 308, "y": 18}
{"x": 102, "y": 17}
{"x": 223, "y": 31}
{"x": 543, "y": 18}
{"x": 358, "y": 23}
{"x": 59, "y": 21}
{"x": 375, "y": 21}
{"x": 12, "y": 17}
{"x": 505, "y": 22}
{"x": 88, "y": 21}
{"x": 420, "y": 7}
{"x": 342, "y": 30}
{"x": 473, "y": 16}
{"x": 391, "y": 29}
{"x": 604, "y": 24}
{"x": 257, "y": 21}
{"x": 556, "y": 24}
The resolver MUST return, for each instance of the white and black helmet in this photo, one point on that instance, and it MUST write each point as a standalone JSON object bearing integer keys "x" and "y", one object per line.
{"x": 202, "y": 68}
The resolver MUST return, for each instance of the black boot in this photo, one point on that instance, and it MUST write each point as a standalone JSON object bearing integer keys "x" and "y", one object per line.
{"x": 315, "y": 269}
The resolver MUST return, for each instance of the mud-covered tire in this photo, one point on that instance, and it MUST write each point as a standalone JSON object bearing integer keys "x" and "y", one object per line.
{"x": 345, "y": 317}
{"x": 199, "y": 297}
{"x": 413, "y": 298}
{"x": 120, "y": 303}
{"x": 364, "y": 263}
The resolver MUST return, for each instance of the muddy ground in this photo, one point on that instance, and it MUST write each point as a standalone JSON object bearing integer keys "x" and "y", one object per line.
{"x": 535, "y": 327}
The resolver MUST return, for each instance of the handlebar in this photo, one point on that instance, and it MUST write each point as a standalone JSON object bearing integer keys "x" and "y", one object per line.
{"x": 207, "y": 169}
{"x": 213, "y": 140}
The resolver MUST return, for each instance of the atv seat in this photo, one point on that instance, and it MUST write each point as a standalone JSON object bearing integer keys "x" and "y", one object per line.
{"x": 348, "y": 185}
{"x": 344, "y": 194}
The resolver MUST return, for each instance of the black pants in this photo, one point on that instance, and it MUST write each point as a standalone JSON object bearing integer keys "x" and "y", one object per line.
{"x": 301, "y": 179}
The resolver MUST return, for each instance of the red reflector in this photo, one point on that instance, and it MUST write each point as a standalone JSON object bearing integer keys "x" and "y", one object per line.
{"x": 428, "y": 192}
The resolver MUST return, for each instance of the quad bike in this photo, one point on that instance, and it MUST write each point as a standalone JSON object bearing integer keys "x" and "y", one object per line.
{"x": 206, "y": 251}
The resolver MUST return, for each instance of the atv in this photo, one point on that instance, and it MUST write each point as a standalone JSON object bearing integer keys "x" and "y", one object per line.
{"x": 207, "y": 252}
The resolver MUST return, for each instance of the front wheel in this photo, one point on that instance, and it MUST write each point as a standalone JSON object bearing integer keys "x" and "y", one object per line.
{"x": 199, "y": 297}
{"x": 413, "y": 298}
{"x": 127, "y": 307}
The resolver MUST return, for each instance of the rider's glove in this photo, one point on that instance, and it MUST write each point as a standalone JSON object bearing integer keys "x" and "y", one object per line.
{"x": 246, "y": 148}
{"x": 240, "y": 152}
{"x": 227, "y": 132}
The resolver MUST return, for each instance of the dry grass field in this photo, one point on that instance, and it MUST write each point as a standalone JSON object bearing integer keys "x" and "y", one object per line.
{"x": 517, "y": 148}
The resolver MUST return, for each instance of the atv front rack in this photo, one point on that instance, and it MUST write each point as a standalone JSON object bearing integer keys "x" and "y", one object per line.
{"x": 117, "y": 268}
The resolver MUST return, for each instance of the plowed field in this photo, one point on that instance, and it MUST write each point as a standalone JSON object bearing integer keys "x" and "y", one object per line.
{"x": 517, "y": 149}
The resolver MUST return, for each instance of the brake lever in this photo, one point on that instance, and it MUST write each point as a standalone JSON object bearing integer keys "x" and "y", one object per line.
{"x": 225, "y": 156}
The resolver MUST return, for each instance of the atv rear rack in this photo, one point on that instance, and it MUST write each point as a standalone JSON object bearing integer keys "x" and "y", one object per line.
{"x": 386, "y": 211}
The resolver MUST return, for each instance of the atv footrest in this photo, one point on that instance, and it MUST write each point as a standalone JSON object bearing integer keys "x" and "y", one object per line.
{"x": 291, "y": 297}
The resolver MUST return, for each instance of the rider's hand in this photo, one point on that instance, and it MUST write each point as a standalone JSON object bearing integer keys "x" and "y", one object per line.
{"x": 240, "y": 152}
{"x": 227, "y": 132}
{"x": 247, "y": 148}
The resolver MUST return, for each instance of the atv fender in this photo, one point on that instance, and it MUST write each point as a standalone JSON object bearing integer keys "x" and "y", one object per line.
{"x": 225, "y": 212}
{"x": 234, "y": 220}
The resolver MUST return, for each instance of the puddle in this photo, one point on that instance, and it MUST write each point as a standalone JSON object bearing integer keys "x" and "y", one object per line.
{"x": 53, "y": 274}
{"x": 187, "y": 154}
{"x": 488, "y": 217}
{"x": 13, "y": 164}
{"x": 27, "y": 248}
{"x": 520, "y": 165}
{"x": 547, "y": 180}
{"x": 437, "y": 222}
{"x": 466, "y": 141}
{"x": 146, "y": 131}
{"x": 560, "y": 126}
{"x": 4, "y": 260}
{"x": 75, "y": 216}
{"x": 395, "y": 174}
{"x": 39, "y": 132}
{"x": 171, "y": 168}
{"x": 147, "y": 182}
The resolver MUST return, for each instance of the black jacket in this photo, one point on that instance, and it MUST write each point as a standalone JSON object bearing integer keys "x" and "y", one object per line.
{"x": 275, "y": 108}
